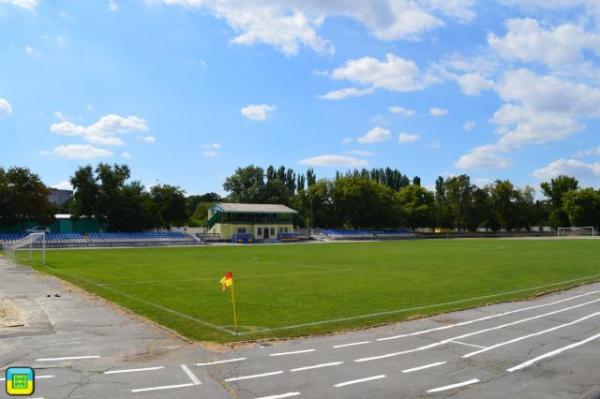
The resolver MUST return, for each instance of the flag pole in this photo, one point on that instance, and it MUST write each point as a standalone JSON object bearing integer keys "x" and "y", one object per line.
{"x": 235, "y": 327}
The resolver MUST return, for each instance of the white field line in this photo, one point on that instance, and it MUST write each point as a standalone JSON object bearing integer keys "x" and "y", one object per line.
{"x": 134, "y": 370}
{"x": 485, "y": 318}
{"x": 552, "y": 353}
{"x": 191, "y": 375}
{"x": 37, "y": 377}
{"x": 343, "y": 384}
{"x": 535, "y": 334}
{"x": 239, "y": 359}
{"x": 466, "y": 300}
{"x": 60, "y": 359}
{"x": 427, "y": 366}
{"x": 249, "y": 377}
{"x": 154, "y": 305}
{"x": 283, "y": 395}
{"x": 316, "y": 366}
{"x": 467, "y": 344}
{"x": 291, "y": 353}
{"x": 160, "y": 388}
{"x": 459, "y": 385}
{"x": 351, "y": 344}
{"x": 485, "y": 330}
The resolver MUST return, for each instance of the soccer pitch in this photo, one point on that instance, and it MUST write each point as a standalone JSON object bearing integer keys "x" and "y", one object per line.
{"x": 293, "y": 290}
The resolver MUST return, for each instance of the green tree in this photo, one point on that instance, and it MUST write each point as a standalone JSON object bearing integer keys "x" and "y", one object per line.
{"x": 169, "y": 205}
{"x": 246, "y": 185}
{"x": 25, "y": 197}
{"x": 362, "y": 203}
{"x": 458, "y": 192}
{"x": 417, "y": 206}
{"x": 555, "y": 190}
{"x": 85, "y": 198}
{"x": 582, "y": 207}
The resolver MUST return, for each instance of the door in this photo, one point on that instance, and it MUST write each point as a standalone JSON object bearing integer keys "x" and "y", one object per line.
{"x": 266, "y": 233}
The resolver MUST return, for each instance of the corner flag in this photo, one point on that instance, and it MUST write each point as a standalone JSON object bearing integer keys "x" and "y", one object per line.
{"x": 227, "y": 282}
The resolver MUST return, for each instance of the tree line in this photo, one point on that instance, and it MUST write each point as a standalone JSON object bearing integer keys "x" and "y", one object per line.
{"x": 375, "y": 198}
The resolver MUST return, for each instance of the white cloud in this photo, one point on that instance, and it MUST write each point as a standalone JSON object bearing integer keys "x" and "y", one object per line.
{"x": 361, "y": 153}
{"x": 290, "y": 24}
{"x": 126, "y": 155}
{"x": 472, "y": 84}
{"x": 402, "y": 111}
{"x": 345, "y": 93}
{"x": 60, "y": 116}
{"x": 435, "y": 145}
{"x": 29, "y": 50}
{"x": 5, "y": 108}
{"x": 113, "y": 5}
{"x": 334, "y": 160}
{"x": 147, "y": 139}
{"x": 588, "y": 153}
{"x": 375, "y": 135}
{"x": 407, "y": 137}
{"x": 483, "y": 157}
{"x": 347, "y": 140}
{"x": 438, "y": 112}
{"x": 570, "y": 167}
{"x": 527, "y": 41}
{"x": 104, "y": 131}
{"x": 27, "y": 4}
{"x": 211, "y": 146}
{"x": 79, "y": 151}
{"x": 393, "y": 74}
{"x": 258, "y": 112}
{"x": 470, "y": 125}
{"x": 63, "y": 185}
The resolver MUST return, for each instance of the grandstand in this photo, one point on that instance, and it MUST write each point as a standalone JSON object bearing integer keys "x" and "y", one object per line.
{"x": 150, "y": 238}
{"x": 336, "y": 234}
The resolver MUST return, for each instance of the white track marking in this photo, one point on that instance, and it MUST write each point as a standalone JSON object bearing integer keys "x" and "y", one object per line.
{"x": 485, "y": 330}
{"x": 370, "y": 315}
{"x": 316, "y": 366}
{"x": 191, "y": 375}
{"x": 467, "y": 344}
{"x": 283, "y": 395}
{"x": 343, "y": 384}
{"x": 494, "y": 316}
{"x": 239, "y": 359}
{"x": 427, "y": 366}
{"x": 489, "y": 348}
{"x": 552, "y": 353}
{"x": 249, "y": 377}
{"x": 351, "y": 344}
{"x": 459, "y": 385}
{"x": 134, "y": 370}
{"x": 60, "y": 359}
{"x": 291, "y": 353}
{"x": 162, "y": 387}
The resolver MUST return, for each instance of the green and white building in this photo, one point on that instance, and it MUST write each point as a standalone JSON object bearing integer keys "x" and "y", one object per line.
{"x": 262, "y": 221}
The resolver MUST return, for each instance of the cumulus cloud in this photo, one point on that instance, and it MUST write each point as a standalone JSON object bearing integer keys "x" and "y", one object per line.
{"x": 79, "y": 152}
{"x": 588, "y": 153}
{"x": 105, "y": 131}
{"x": 406, "y": 112}
{"x": 334, "y": 160}
{"x": 393, "y": 74}
{"x": 472, "y": 84}
{"x": 360, "y": 153}
{"x": 483, "y": 157}
{"x": 62, "y": 185}
{"x": 147, "y": 139}
{"x": 5, "y": 108}
{"x": 290, "y": 24}
{"x": 570, "y": 167}
{"x": 26, "y": 4}
{"x": 345, "y": 93}
{"x": 113, "y": 5}
{"x": 408, "y": 137}
{"x": 258, "y": 112}
{"x": 527, "y": 41}
{"x": 375, "y": 135}
{"x": 211, "y": 150}
{"x": 438, "y": 112}
{"x": 126, "y": 155}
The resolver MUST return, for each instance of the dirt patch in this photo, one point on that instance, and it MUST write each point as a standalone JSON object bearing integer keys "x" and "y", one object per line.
{"x": 9, "y": 314}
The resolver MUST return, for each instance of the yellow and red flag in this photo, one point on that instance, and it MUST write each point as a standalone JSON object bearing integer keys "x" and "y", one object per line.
{"x": 227, "y": 281}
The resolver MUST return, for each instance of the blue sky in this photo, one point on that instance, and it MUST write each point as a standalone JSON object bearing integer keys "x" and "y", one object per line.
{"x": 184, "y": 91}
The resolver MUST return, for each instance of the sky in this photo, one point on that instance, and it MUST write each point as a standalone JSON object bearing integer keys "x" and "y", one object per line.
{"x": 186, "y": 91}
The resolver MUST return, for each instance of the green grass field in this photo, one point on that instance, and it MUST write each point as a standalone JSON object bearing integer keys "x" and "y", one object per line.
{"x": 292, "y": 290}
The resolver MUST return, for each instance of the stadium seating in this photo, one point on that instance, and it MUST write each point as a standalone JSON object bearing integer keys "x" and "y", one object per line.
{"x": 242, "y": 238}
{"x": 335, "y": 234}
{"x": 288, "y": 236}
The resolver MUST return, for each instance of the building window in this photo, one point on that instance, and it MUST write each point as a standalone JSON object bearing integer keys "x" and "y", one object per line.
{"x": 272, "y": 231}
{"x": 259, "y": 231}
{"x": 241, "y": 230}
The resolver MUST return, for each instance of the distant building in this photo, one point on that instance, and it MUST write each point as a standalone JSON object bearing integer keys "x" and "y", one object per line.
{"x": 58, "y": 197}
{"x": 260, "y": 221}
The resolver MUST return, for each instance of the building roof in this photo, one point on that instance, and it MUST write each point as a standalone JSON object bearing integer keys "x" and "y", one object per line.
{"x": 254, "y": 208}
